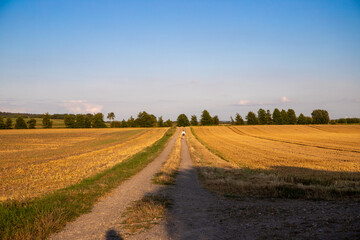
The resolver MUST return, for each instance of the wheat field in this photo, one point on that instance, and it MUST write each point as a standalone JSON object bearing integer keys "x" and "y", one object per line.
{"x": 35, "y": 162}
{"x": 324, "y": 155}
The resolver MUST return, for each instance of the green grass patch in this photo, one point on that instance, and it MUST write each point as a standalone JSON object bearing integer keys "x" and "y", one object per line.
{"x": 38, "y": 218}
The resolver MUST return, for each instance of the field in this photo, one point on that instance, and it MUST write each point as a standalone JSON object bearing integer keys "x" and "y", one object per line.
{"x": 35, "y": 162}
{"x": 314, "y": 161}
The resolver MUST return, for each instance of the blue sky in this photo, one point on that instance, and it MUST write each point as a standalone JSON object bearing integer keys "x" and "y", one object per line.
{"x": 172, "y": 57}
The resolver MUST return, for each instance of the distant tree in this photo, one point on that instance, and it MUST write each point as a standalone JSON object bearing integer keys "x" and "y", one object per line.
{"x": 309, "y": 120}
{"x": 70, "y": 121}
{"x": 2, "y": 123}
{"x": 320, "y": 116}
{"x": 269, "y": 119}
{"x": 46, "y": 121}
{"x": 232, "y": 122}
{"x": 123, "y": 123}
{"x": 98, "y": 121}
{"x": 168, "y": 123}
{"x": 194, "y": 121}
{"x": 182, "y": 120}
{"x": 131, "y": 122}
{"x": 301, "y": 119}
{"x": 160, "y": 122}
{"x": 206, "y": 119}
{"x": 262, "y": 116}
{"x": 87, "y": 121}
{"x": 111, "y": 116}
{"x": 216, "y": 120}
{"x": 239, "y": 120}
{"x": 20, "y": 123}
{"x": 145, "y": 120}
{"x": 291, "y": 116}
{"x": 252, "y": 119}
{"x": 115, "y": 124}
{"x": 284, "y": 116}
{"x": 31, "y": 123}
{"x": 79, "y": 121}
{"x": 277, "y": 118}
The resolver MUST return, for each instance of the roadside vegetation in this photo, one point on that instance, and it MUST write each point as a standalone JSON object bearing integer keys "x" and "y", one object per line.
{"x": 167, "y": 174}
{"x": 37, "y": 218}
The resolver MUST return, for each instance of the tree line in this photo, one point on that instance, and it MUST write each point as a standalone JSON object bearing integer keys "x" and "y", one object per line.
{"x": 20, "y": 122}
{"x": 143, "y": 119}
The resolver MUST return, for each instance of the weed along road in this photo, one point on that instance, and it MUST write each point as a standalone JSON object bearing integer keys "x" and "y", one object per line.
{"x": 105, "y": 215}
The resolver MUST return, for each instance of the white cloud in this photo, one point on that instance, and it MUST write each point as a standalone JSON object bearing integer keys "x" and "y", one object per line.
{"x": 82, "y": 106}
{"x": 244, "y": 102}
{"x": 285, "y": 99}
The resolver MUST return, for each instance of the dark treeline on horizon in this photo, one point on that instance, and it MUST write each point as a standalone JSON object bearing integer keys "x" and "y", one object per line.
{"x": 144, "y": 119}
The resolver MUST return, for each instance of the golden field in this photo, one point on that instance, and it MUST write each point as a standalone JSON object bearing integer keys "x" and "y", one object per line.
{"x": 35, "y": 162}
{"x": 307, "y": 155}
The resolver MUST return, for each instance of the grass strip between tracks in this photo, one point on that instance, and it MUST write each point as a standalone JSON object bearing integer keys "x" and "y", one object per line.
{"x": 38, "y": 218}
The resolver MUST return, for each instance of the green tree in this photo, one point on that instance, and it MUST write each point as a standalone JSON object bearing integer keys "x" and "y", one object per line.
{"x": 309, "y": 120}
{"x": 87, "y": 121}
{"x": 268, "y": 117}
{"x": 98, "y": 121}
{"x": 284, "y": 116}
{"x": 239, "y": 120}
{"x": 182, "y": 120}
{"x": 252, "y": 119}
{"x": 168, "y": 123}
{"x": 131, "y": 122}
{"x": 194, "y": 121}
{"x": 206, "y": 119}
{"x": 160, "y": 122}
{"x": 301, "y": 120}
{"x": 232, "y": 122}
{"x": 216, "y": 120}
{"x": 320, "y": 116}
{"x": 291, "y": 116}
{"x": 124, "y": 123}
{"x": 2, "y": 123}
{"x": 115, "y": 124}
{"x": 70, "y": 121}
{"x": 80, "y": 121}
{"x": 20, "y": 123}
{"x": 111, "y": 116}
{"x": 145, "y": 120}
{"x": 277, "y": 118}
{"x": 31, "y": 123}
{"x": 262, "y": 116}
{"x": 46, "y": 121}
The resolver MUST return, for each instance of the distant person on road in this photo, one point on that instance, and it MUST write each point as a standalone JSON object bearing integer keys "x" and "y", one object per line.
{"x": 183, "y": 133}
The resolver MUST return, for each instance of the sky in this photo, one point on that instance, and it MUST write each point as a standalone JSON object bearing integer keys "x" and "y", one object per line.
{"x": 173, "y": 57}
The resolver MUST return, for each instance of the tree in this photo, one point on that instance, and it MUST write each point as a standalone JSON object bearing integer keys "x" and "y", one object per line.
{"x": 183, "y": 121}
{"x": 98, "y": 121}
{"x": 70, "y": 121}
{"x": 145, "y": 120}
{"x": 115, "y": 124}
{"x": 31, "y": 123}
{"x": 320, "y": 116}
{"x": 309, "y": 120}
{"x": 168, "y": 123}
{"x": 79, "y": 121}
{"x": 232, "y": 122}
{"x": 131, "y": 122}
{"x": 239, "y": 120}
{"x": 252, "y": 119}
{"x": 46, "y": 121}
{"x": 206, "y": 119}
{"x": 291, "y": 116}
{"x": 87, "y": 121}
{"x": 194, "y": 121}
{"x": 216, "y": 120}
{"x": 268, "y": 117}
{"x": 2, "y": 124}
{"x": 277, "y": 118}
{"x": 301, "y": 120}
{"x": 284, "y": 116}
{"x": 160, "y": 122}
{"x": 20, "y": 123}
{"x": 262, "y": 116}
{"x": 124, "y": 123}
{"x": 111, "y": 116}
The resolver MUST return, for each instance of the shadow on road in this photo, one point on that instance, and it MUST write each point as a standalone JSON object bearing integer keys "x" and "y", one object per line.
{"x": 113, "y": 235}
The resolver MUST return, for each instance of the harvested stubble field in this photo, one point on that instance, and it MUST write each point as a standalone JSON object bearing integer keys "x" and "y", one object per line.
{"x": 292, "y": 161}
{"x": 36, "y": 162}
